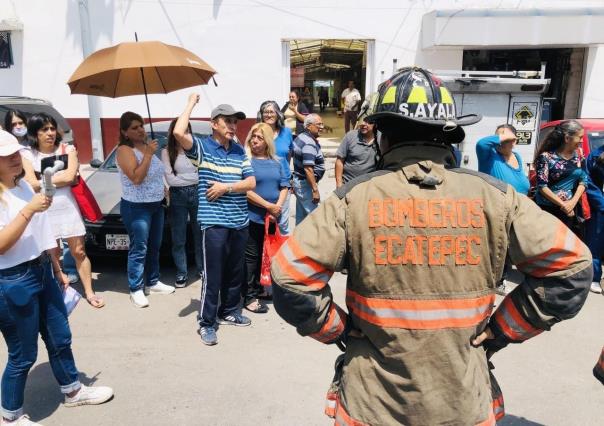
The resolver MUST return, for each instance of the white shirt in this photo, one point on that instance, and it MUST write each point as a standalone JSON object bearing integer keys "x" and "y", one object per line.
{"x": 38, "y": 235}
{"x": 351, "y": 99}
{"x": 151, "y": 189}
{"x": 186, "y": 172}
{"x": 64, "y": 213}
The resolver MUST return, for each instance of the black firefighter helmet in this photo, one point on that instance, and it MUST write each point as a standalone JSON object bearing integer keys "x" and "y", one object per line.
{"x": 416, "y": 100}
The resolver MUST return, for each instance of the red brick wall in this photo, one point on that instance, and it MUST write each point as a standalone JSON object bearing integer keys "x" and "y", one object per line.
{"x": 110, "y": 133}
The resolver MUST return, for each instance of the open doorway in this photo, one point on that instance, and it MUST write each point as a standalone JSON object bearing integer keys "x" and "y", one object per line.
{"x": 564, "y": 66}
{"x": 320, "y": 70}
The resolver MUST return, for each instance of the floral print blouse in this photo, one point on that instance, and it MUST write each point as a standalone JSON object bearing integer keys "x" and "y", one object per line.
{"x": 560, "y": 175}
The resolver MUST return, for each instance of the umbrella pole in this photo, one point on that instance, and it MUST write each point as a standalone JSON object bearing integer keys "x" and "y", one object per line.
{"x": 146, "y": 98}
{"x": 147, "y": 101}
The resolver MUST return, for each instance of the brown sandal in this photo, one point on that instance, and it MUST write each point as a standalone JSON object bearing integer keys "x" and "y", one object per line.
{"x": 95, "y": 301}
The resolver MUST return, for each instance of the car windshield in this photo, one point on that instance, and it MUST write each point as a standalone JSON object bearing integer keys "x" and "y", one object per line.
{"x": 596, "y": 140}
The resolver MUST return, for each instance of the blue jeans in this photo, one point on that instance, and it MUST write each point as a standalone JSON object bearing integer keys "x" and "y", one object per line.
{"x": 145, "y": 224}
{"x": 224, "y": 260}
{"x": 183, "y": 207}
{"x": 594, "y": 234}
{"x": 303, "y": 193}
{"x": 284, "y": 218}
{"x": 31, "y": 303}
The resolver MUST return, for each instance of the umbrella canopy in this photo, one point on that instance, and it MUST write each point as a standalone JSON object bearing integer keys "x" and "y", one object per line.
{"x": 139, "y": 68}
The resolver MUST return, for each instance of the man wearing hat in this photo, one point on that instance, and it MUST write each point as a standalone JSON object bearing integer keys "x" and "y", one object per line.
{"x": 424, "y": 244}
{"x": 225, "y": 176}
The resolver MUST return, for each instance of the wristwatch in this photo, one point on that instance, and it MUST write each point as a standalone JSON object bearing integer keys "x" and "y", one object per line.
{"x": 230, "y": 188}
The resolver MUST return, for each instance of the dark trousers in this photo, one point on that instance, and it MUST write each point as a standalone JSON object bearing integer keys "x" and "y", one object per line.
{"x": 594, "y": 235}
{"x": 223, "y": 252}
{"x": 570, "y": 222}
{"x": 253, "y": 263}
{"x": 183, "y": 210}
{"x": 350, "y": 120}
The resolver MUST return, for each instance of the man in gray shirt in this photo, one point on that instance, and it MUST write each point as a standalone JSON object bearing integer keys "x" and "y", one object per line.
{"x": 357, "y": 153}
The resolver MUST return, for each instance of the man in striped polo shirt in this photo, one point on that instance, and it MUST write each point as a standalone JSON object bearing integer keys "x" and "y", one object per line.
{"x": 225, "y": 176}
{"x": 309, "y": 167}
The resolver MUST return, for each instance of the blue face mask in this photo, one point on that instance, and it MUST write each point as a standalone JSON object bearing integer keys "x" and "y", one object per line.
{"x": 20, "y": 131}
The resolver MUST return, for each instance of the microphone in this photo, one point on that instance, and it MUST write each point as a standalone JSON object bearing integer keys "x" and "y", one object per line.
{"x": 48, "y": 188}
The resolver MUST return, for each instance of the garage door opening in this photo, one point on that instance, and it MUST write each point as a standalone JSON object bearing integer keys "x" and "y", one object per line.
{"x": 563, "y": 66}
{"x": 320, "y": 70}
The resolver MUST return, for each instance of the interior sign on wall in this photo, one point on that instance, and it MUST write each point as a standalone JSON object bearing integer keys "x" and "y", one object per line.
{"x": 524, "y": 119}
{"x": 297, "y": 76}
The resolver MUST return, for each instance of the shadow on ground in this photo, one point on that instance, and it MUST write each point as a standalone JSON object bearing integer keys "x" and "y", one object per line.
{"x": 192, "y": 307}
{"x": 111, "y": 274}
{"x": 511, "y": 420}
{"x": 42, "y": 393}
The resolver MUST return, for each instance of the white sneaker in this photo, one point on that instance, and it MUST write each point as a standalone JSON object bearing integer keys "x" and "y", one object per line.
{"x": 160, "y": 288}
{"x": 21, "y": 421}
{"x": 89, "y": 395}
{"x": 595, "y": 287}
{"x": 139, "y": 299}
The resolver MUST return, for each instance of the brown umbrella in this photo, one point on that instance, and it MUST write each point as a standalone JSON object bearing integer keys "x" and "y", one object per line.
{"x": 139, "y": 68}
{"x": 116, "y": 71}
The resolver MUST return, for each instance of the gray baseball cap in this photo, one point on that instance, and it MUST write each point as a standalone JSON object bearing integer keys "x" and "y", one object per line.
{"x": 227, "y": 111}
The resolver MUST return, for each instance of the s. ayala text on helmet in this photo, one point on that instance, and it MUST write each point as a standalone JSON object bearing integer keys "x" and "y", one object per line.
{"x": 431, "y": 110}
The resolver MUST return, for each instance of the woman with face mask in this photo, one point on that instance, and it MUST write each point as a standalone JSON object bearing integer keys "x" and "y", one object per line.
{"x": 15, "y": 123}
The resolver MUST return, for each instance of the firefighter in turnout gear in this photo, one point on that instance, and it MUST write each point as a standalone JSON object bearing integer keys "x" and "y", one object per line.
{"x": 425, "y": 244}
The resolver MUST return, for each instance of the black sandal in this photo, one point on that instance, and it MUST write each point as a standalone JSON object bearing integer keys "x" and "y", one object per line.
{"x": 259, "y": 309}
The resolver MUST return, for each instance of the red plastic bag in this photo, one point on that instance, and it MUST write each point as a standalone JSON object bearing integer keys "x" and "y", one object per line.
{"x": 585, "y": 209}
{"x": 86, "y": 202}
{"x": 83, "y": 196}
{"x": 272, "y": 243}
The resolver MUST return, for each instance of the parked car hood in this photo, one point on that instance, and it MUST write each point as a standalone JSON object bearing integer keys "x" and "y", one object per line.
{"x": 107, "y": 189}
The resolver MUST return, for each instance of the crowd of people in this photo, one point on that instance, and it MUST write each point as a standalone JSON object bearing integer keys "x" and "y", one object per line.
{"x": 232, "y": 194}
{"x": 565, "y": 183}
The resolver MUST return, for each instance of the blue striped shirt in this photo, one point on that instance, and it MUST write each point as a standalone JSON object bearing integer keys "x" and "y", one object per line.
{"x": 215, "y": 163}
{"x": 307, "y": 152}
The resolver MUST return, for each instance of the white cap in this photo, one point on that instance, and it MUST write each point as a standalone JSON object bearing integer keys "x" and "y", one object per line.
{"x": 8, "y": 144}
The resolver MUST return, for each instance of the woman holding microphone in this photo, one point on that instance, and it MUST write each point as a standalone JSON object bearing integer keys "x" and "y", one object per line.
{"x": 142, "y": 178}
{"x": 31, "y": 302}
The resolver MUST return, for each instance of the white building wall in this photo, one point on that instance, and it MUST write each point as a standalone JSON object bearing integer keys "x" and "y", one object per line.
{"x": 592, "y": 102}
{"x": 239, "y": 38}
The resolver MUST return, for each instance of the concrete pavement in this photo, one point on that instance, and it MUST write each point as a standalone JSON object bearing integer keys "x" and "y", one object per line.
{"x": 266, "y": 374}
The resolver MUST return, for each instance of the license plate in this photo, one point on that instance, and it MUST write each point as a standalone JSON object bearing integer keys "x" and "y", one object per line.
{"x": 117, "y": 242}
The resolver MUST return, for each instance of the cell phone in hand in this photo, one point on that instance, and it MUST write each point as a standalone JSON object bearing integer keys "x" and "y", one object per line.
{"x": 50, "y": 162}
